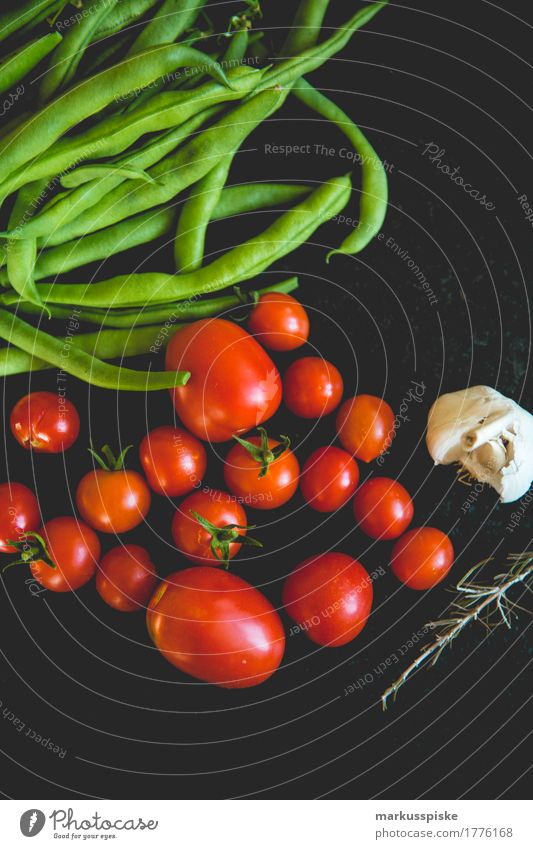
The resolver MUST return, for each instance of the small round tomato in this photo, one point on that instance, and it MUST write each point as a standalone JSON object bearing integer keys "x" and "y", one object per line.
{"x": 279, "y": 321}
{"x": 383, "y": 508}
{"x": 329, "y": 478}
{"x": 216, "y": 627}
{"x": 365, "y": 425}
{"x": 329, "y": 597}
{"x": 173, "y": 460}
{"x": 261, "y": 471}
{"x": 126, "y": 578}
{"x": 210, "y": 525}
{"x": 234, "y": 385}
{"x": 19, "y": 513}
{"x": 312, "y": 387}
{"x": 422, "y": 558}
{"x": 64, "y": 555}
{"x": 45, "y": 422}
{"x": 112, "y": 499}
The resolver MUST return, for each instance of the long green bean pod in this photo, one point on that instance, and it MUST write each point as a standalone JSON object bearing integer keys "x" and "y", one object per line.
{"x": 68, "y": 55}
{"x": 62, "y": 354}
{"x": 236, "y": 49}
{"x": 171, "y": 175}
{"x": 374, "y": 192}
{"x": 21, "y": 254}
{"x": 171, "y": 20}
{"x": 123, "y": 16}
{"x": 19, "y": 64}
{"x": 189, "y": 244}
{"x": 117, "y": 133}
{"x": 91, "y": 96}
{"x": 305, "y": 28}
{"x": 239, "y": 264}
{"x": 26, "y": 14}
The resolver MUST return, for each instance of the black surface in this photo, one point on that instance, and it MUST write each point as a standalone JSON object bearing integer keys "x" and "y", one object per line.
{"x": 453, "y": 74}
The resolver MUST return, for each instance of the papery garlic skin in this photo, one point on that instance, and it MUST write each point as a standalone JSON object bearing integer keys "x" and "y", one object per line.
{"x": 489, "y": 435}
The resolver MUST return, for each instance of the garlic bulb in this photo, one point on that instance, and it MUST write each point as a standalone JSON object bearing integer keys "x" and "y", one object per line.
{"x": 488, "y": 434}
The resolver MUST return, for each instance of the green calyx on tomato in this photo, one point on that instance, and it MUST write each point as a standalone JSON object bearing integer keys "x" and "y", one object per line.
{"x": 110, "y": 463}
{"x": 262, "y": 454}
{"x": 222, "y": 538}
{"x": 248, "y": 300}
{"x": 30, "y": 552}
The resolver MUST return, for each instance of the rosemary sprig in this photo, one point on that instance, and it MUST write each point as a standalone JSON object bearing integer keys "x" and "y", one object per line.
{"x": 488, "y": 603}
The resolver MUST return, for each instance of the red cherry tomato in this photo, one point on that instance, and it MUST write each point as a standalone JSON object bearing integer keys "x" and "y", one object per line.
{"x": 234, "y": 385}
{"x": 19, "y": 513}
{"x": 279, "y": 321}
{"x": 216, "y": 627}
{"x": 45, "y": 422}
{"x": 422, "y": 558}
{"x": 312, "y": 387}
{"x": 329, "y": 597}
{"x": 197, "y": 537}
{"x": 126, "y": 578}
{"x": 329, "y": 478}
{"x": 365, "y": 425}
{"x": 383, "y": 508}
{"x": 73, "y": 548}
{"x": 112, "y": 499}
{"x": 261, "y": 471}
{"x": 173, "y": 460}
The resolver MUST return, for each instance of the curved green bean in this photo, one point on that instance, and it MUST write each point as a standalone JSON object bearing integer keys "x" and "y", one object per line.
{"x": 92, "y": 95}
{"x": 171, "y": 175}
{"x": 171, "y": 20}
{"x": 126, "y": 13}
{"x": 21, "y": 255}
{"x": 68, "y": 55}
{"x": 27, "y": 14}
{"x": 237, "y": 47}
{"x": 374, "y": 191}
{"x": 189, "y": 244}
{"x": 305, "y": 28}
{"x": 86, "y": 173}
{"x": 62, "y": 354}
{"x": 19, "y": 64}
{"x": 239, "y": 264}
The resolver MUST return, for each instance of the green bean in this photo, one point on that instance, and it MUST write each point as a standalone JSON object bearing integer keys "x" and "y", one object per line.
{"x": 90, "y": 96}
{"x": 53, "y": 219}
{"x": 172, "y": 174}
{"x": 21, "y": 255}
{"x": 29, "y": 13}
{"x": 189, "y": 244}
{"x": 119, "y": 132}
{"x": 236, "y": 50}
{"x": 85, "y": 174}
{"x": 288, "y": 71}
{"x": 19, "y": 64}
{"x": 183, "y": 310}
{"x": 144, "y": 228}
{"x": 62, "y": 354}
{"x": 126, "y": 13}
{"x": 373, "y": 205}
{"x": 68, "y": 55}
{"x": 305, "y": 29}
{"x": 241, "y": 263}
{"x": 171, "y": 20}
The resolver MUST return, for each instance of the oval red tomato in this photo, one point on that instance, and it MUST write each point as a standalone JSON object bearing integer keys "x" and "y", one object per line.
{"x": 216, "y": 627}
{"x": 312, "y": 387}
{"x": 329, "y": 478}
{"x": 383, "y": 508}
{"x": 279, "y": 322}
{"x": 45, "y": 422}
{"x": 264, "y": 475}
{"x": 222, "y": 512}
{"x": 329, "y": 597}
{"x": 173, "y": 460}
{"x": 73, "y": 548}
{"x": 422, "y": 558}
{"x": 126, "y": 578}
{"x": 19, "y": 513}
{"x": 365, "y": 425}
{"x": 113, "y": 502}
{"x": 234, "y": 385}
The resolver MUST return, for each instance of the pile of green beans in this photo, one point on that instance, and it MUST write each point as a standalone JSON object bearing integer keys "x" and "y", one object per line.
{"x": 132, "y": 138}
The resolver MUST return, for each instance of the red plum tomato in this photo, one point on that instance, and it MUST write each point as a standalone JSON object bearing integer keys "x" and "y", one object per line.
{"x": 330, "y": 597}
{"x": 422, "y": 558}
{"x": 383, "y": 508}
{"x": 73, "y": 548}
{"x": 312, "y": 387}
{"x": 126, "y": 578}
{"x": 216, "y": 627}
{"x": 329, "y": 478}
{"x": 19, "y": 513}
{"x": 173, "y": 460}
{"x": 365, "y": 425}
{"x": 279, "y": 322}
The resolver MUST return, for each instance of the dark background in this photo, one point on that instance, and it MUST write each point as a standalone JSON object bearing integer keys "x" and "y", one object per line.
{"x": 88, "y": 678}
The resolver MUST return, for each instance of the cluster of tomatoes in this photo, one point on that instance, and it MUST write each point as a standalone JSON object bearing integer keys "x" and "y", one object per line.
{"x": 206, "y": 621}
